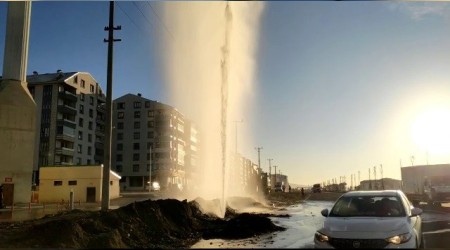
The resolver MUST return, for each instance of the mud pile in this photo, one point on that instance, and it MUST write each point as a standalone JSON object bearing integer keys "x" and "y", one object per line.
{"x": 165, "y": 223}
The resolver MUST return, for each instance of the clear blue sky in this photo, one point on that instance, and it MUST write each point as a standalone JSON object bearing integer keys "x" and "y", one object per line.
{"x": 339, "y": 84}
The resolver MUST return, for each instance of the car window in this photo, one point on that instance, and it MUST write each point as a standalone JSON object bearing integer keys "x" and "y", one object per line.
{"x": 372, "y": 206}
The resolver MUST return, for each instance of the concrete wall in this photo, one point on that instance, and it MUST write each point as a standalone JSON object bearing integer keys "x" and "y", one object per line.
{"x": 86, "y": 176}
{"x": 17, "y": 135}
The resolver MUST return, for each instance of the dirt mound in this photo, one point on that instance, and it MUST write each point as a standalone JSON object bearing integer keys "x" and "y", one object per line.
{"x": 148, "y": 224}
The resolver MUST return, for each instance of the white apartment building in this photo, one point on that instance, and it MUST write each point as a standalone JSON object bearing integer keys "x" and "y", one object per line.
{"x": 152, "y": 139}
{"x": 70, "y": 119}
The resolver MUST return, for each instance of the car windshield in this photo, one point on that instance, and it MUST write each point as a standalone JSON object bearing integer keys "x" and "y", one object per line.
{"x": 368, "y": 206}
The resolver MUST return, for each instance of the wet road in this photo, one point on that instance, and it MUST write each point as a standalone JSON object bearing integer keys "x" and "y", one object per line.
{"x": 306, "y": 219}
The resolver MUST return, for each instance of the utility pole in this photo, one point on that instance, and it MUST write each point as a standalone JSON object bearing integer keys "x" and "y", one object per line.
{"x": 259, "y": 158}
{"x": 375, "y": 177}
{"x": 359, "y": 178}
{"x": 275, "y": 174}
{"x": 370, "y": 181}
{"x": 235, "y": 124}
{"x": 107, "y": 155}
{"x": 381, "y": 171}
{"x": 270, "y": 171}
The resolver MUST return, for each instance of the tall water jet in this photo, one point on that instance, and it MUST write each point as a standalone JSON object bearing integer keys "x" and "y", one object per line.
{"x": 208, "y": 50}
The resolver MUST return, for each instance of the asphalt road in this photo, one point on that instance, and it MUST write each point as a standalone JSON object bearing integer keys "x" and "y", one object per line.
{"x": 436, "y": 229}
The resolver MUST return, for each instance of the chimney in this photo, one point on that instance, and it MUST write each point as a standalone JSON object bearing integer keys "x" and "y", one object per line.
{"x": 139, "y": 94}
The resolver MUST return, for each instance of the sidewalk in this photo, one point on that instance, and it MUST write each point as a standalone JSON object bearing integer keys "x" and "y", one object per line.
{"x": 31, "y": 211}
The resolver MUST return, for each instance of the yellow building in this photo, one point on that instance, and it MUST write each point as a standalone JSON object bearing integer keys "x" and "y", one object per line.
{"x": 56, "y": 182}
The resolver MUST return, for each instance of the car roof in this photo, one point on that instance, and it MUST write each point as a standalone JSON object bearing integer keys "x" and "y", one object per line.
{"x": 372, "y": 193}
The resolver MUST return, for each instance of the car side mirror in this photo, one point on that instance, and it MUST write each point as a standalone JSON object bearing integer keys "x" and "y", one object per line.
{"x": 324, "y": 212}
{"x": 416, "y": 211}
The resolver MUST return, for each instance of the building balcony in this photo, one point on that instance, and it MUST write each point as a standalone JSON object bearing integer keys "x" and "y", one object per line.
{"x": 100, "y": 120}
{"x": 65, "y": 137}
{"x": 66, "y": 109}
{"x": 68, "y": 95}
{"x": 65, "y": 163}
{"x": 64, "y": 151}
{"x": 101, "y": 108}
{"x": 99, "y": 144}
{"x": 66, "y": 122}
{"x": 99, "y": 132}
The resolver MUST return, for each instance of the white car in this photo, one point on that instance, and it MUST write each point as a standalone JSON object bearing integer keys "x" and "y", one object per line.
{"x": 371, "y": 219}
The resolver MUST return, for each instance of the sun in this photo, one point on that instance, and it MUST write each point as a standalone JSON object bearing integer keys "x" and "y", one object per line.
{"x": 431, "y": 131}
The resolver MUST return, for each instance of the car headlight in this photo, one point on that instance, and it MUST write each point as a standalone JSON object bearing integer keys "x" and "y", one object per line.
{"x": 399, "y": 239}
{"x": 321, "y": 237}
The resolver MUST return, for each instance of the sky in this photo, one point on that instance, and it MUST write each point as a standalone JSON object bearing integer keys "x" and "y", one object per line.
{"x": 339, "y": 87}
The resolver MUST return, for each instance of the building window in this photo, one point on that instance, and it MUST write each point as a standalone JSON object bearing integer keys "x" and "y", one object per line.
{"x": 137, "y": 114}
{"x": 137, "y": 135}
{"x": 150, "y": 113}
{"x": 136, "y": 168}
{"x": 137, "y": 105}
{"x": 91, "y": 100}
{"x": 119, "y": 136}
{"x": 83, "y": 83}
{"x": 135, "y": 157}
{"x": 119, "y": 157}
{"x": 136, "y": 146}
{"x": 148, "y": 167}
{"x": 78, "y": 160}
{"x": 90, "y": 125}
{"x": 89, "y": 151}
{"x": 57, "y": 183}
{"x": 150, "y": 124}
{"x": 119, "y": 168}
{"x": 88, "y": 162}
{"x": 80, "y": 135}
{"x": 79, "y": 148}
{"x": 148, "y": 156}
{"x": 150, "y": 134}
{"x": 137, "y": 125}
{"x": 81, "y": 96}
{"x": 149, "y": 145}
{"x": 92, "y": 88}
{"x": 75, "y": 79}
{"x": 81, "y": 109}
{"x": 110, "y": 183}
{"x": 72, "y": 183}
{"x": 147, "y": 104}
{"x": 120, "y": 115}
{"x": 121, "y": 105}
{"x": 89, "y": 137}
{"x": 120, "y": 125}
{"x": 80, "y": 122}
{"x": 91, "y": 113}
{"x": 119, "y": 146}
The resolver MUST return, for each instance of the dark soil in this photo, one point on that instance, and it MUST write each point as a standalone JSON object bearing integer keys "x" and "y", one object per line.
{"x": 166, "y": 223}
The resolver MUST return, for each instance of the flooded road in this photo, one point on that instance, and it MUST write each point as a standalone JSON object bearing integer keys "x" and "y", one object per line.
{"x": 300, "y": 228}
{"x": 306, "y": 219}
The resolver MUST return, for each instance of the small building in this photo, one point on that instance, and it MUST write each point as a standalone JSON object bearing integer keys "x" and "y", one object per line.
{"x": 56, "y": 182}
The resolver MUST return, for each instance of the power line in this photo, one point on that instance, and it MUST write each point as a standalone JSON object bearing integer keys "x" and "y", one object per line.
{"x": 118, "y": 4}
{"x": 160, "y": 20}
{"x": 142, "y": 13}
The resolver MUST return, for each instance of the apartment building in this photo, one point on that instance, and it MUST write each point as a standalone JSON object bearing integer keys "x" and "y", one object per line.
{"x": 152, "y": 139}
{"x": 70, "y": 119}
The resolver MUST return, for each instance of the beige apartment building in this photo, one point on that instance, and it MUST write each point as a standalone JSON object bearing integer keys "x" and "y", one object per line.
{"x": 56, "y": 183}
{"x": 152, "y": 139}
{"x": 70, "y": 119}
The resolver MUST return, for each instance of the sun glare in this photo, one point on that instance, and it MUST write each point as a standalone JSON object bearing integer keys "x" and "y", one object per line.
{"x": 431, "y": 131}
